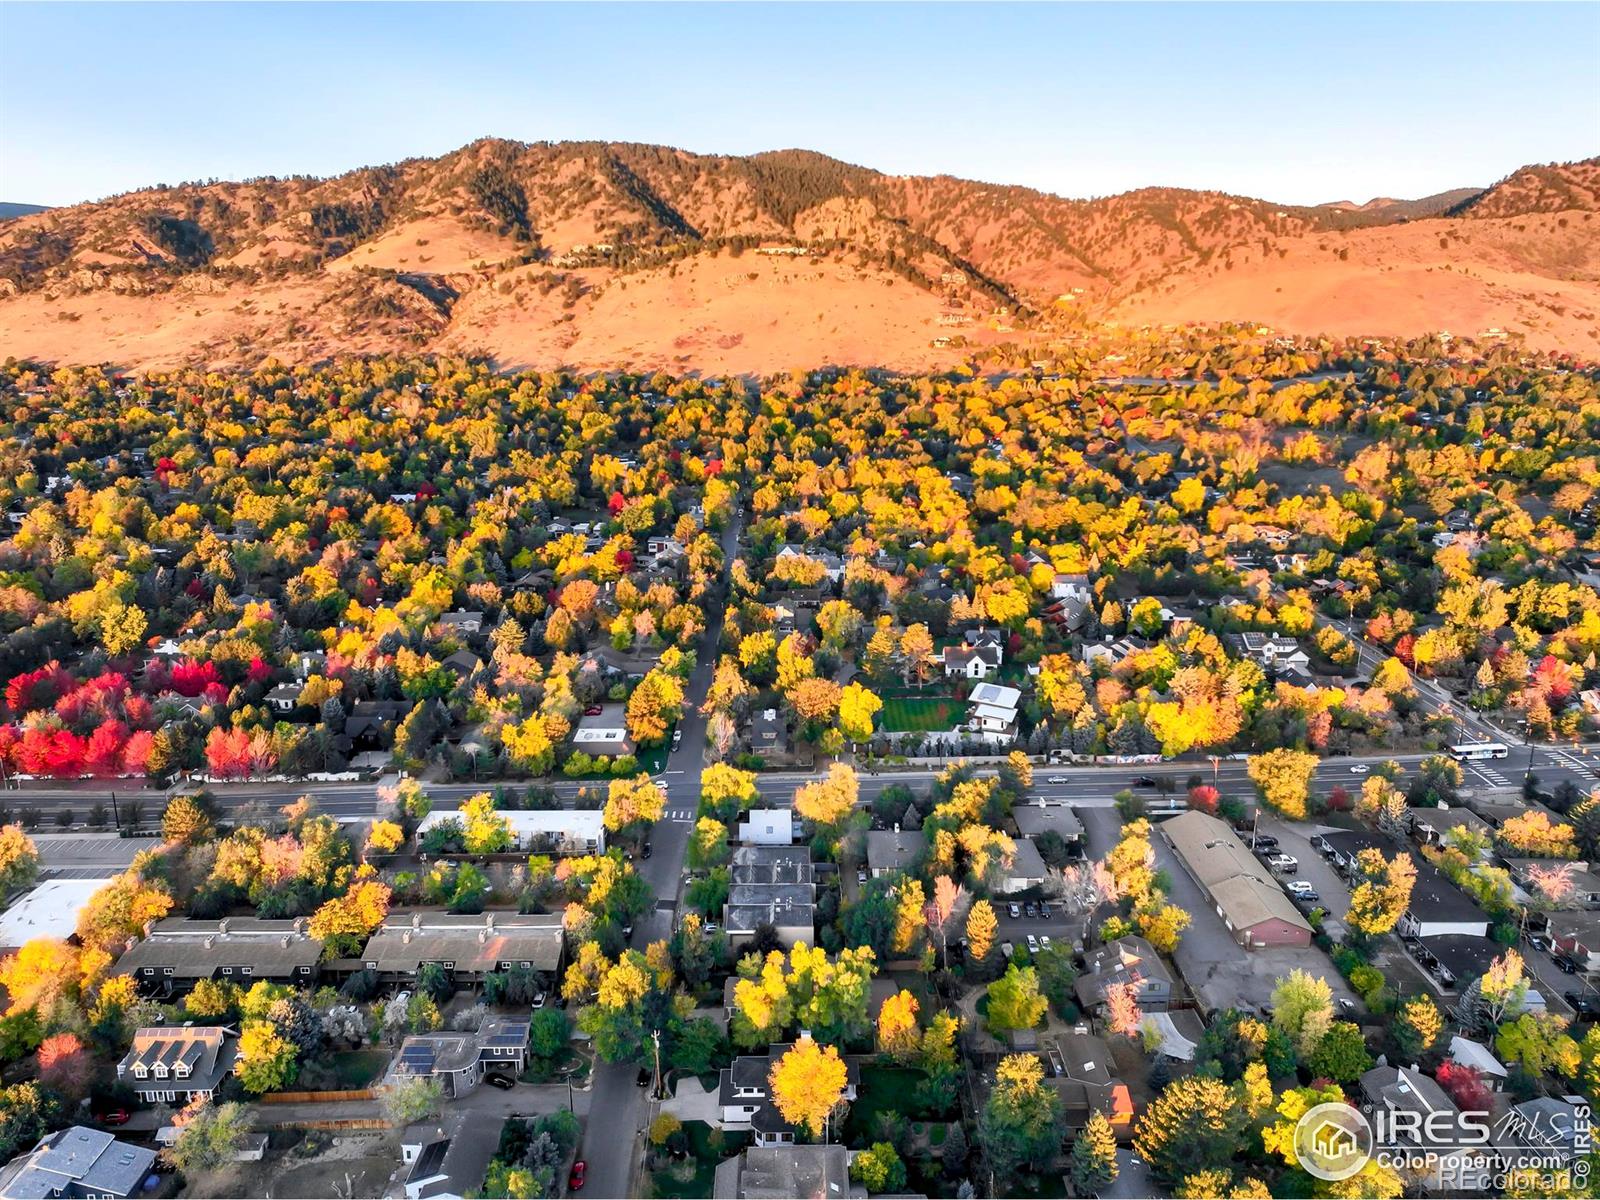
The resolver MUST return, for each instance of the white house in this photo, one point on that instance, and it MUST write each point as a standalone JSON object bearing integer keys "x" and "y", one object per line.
{"x": 994, "y": 711}
{"x": 970, "y": 662}
{"x": 768, "y": 827}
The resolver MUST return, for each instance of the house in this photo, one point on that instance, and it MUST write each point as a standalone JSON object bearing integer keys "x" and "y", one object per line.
{"x": 447, "y": 1156}
{"x": 986, "y": 639}
{"x": 1035, "y": 820}
{"x": 1467, "y": 1053}
{"x": 1577, "y": 934}
{"x": 768, "y": 827}
{"x": 970, "y": 662}
{"x": 462, "y": 621}
{"x": 1550, "y": 1124}
{"x": 77, "y": 1162}
{"x": 1272, "y": 652}
{"x": 893, "y": 850}
{"x": 994, "y": 711}
{"x": 1086, "y": 1085}
{"x": 1242, "y": 890}
{"x": 176, "y": 953}
{"x": 1437, "y": 907}
{"x": 468, "y": 946}
{"x": 462, "y": 664}
{"x": 1026, "y": 869}
{"x": 1128, "y": 958}
{"x": 604, "y": 732}
{"x": 832, "y": 564}
{"x": 1405, "y": 1089}
{"x": 49, "y": 909}
{"x": 787, "y": 1171}
{"x": 459, "y": 1061}
{"x": 770, "y": 885}
{"x": 1071, "y": 585}
{"x": 559, "y": 831}
{"x": 284, "y": 698}
{"x": 177, "y": 1065}
{"x": 745, "y": 1097}
{"x": 1456, "y": 959}
{"x": 1108, "y": 651}
{"x": 371, "y": 723}
{"x": 769, "y": 739}
{"x": 1585, "y": 881}
{"x": 1344, "y": 846}
{"x": 1429, "y": 826}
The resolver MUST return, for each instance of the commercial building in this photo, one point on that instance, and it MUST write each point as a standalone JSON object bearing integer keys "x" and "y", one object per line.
{"x": 1241, "y": 889}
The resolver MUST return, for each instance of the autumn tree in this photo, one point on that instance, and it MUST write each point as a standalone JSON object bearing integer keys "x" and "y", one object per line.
{"x": 344, "y": 923}
{"x": 656, "y": 703}
{"x": 268, "y": 1061}
{"x": 65, "y": 1065}
{"x": 1283, "y": 778}
{"x": 1417, "y": 1025}
{"x": 857, "y": 708}
{"x": 1381, "y": 898}
{"x": 911, "y": 916}
{"x": 19, "y": 860}
{"x": 1020, "y": 1126}
{"x": 807, "y": 1085}
{"x": 1093, "y": 1162}
{"x": 1015, "y": 1001}
{"x": 827, "y": 802}
{"x": 210, "y": 1135}
{"x": 1302, "y": 1007}
{"x": 981, "y": 929}
{"x": 633, "y": 802}
{"x": 1193, "y": 1124}
{"x": 898, "y": 1035}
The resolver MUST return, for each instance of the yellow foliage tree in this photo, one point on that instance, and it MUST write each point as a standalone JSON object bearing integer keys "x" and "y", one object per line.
{"x": 897, "y": 1026}
{"x": 981, "y": 928}
{"x": 807, "y": 1085}
{"x": 633, "y": 801}
{"x": 1283, "y": 777}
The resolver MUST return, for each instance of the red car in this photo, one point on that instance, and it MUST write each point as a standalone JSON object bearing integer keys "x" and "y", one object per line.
{"x": 594, "y": 710}
{"x": 116, "y": 1116}
{"x": 575, "y": 1180}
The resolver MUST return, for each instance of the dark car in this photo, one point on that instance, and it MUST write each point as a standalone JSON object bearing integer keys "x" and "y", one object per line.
{"x": 504, "y": 1082}
{"x": 1567, "y": 963}
{"x": 1585, "y": 1004}
{"x": 645, "y": 1077}
{"x": 1030, "y": 910}
{"x": 1264, "y": 841}
{"x": 645, "y": 853}
{"x": 1144, "y": 781}
{"x": 575, "y": 1179}
{"x": 1044, "y": 912}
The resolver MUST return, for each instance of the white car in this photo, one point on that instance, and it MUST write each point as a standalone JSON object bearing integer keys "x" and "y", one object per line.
{"x": 677, "y": 738}
{"x": 1044, "y": 940}
{"x": 1297, "y": 886}
{"x": 1360, "y": 769}
{"x": 1033, "y": 944}
{"x": 1057, "y": 779}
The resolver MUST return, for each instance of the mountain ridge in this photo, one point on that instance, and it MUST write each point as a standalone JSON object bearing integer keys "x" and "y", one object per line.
{"x": 526, "y": 250}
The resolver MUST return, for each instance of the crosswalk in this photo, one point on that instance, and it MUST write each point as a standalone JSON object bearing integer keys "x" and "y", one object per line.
{"x": 678, "y": 814}
{"x": 1494, "y": 777}
{"x": 1576, "y": 762}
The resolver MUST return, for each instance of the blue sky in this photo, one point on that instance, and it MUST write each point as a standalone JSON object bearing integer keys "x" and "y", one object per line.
{"x": 1294, "y": 102}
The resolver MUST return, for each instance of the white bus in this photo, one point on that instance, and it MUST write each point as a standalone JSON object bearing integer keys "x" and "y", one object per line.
{"x": 1479, "y": 751}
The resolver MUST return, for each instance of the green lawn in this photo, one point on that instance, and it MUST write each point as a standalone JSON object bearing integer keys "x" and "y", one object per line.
{"x": 357, "y": 1068}
{"x": 692, "y": 1178}
{"x": 920, "y": 714}
{"x": 883, "y": 1089}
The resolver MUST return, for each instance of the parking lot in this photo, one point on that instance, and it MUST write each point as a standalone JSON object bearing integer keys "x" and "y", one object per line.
{"x": 1219, "y": 971}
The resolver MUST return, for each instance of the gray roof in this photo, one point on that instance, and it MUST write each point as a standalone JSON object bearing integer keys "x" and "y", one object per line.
{"x": 427, "y": 1054}
{"x": 785, "y": 1173}
{"x": 197, "y": 949}
{"x": 476, "y": 944}
{"x": 772, "y": 865}
{"x": 206, "y": 1052}
{"x": 894, "y": 850}
{"x": 1034, "y": 819}
{"x": 1028, "y": 863}
{"x": 86, "y": 1161}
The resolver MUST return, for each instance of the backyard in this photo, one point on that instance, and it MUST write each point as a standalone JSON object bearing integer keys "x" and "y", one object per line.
{"x": 920, "y": 714}
{"x": 691, "y": 1177}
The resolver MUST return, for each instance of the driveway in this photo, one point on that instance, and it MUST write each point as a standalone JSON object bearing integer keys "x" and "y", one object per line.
{"x": 691, "y": 1102}
{"x": 1314, "y": 869}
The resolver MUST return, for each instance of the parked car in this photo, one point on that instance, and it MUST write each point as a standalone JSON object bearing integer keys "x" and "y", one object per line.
{"x": 594, "y": 710}
{"x": 1030, "y": 909}
{"x": 504, "y": 1082}
{"x": 645, "y": 853}
{"x": 1044, "y": 941}
{"x": 1044, "y": 912}
{"x": 1301, "y": 890}
{"x": 1033, "y": 944}
{"x": 861, "y": 877}
{"x": 1283, "y": 864}
{"x": 1058, "y": 779}
{"x": 1014, "y": 910}
{"x": 114, "y": 1116}
{"x": 1264, "y": 841}
{"x": 1007, "y": 949}
{"x": 1585, "y": 1004}
{"x": 1567, "y": 963}
{"x": 677, "y": 738}
{"x": 1539, "y": 941}
{"x": 1321, "y": 845}
{"x": 645, "y": 1077}
{"x": 538, "y": 1001}
{"x": 575, "y": 1178}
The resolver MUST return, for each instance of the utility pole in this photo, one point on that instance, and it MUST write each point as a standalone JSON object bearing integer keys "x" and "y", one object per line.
{"x": 116, "y": 816}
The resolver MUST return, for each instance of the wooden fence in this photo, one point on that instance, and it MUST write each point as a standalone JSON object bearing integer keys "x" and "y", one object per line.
{"x": 317, "y": 1097}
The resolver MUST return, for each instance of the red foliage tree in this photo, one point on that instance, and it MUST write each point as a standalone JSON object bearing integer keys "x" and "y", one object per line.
{"x": 136, "y": 752}
{"x": 1205, "y": 798}
{"x": 1465, "y": 1086}
{"x": 102, "y": 754}
{"x": 191, "y": 678}
{"x": 64, "y": 1064}
{"x": 259, "y": 671}
{"x": 228, "y": 753}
